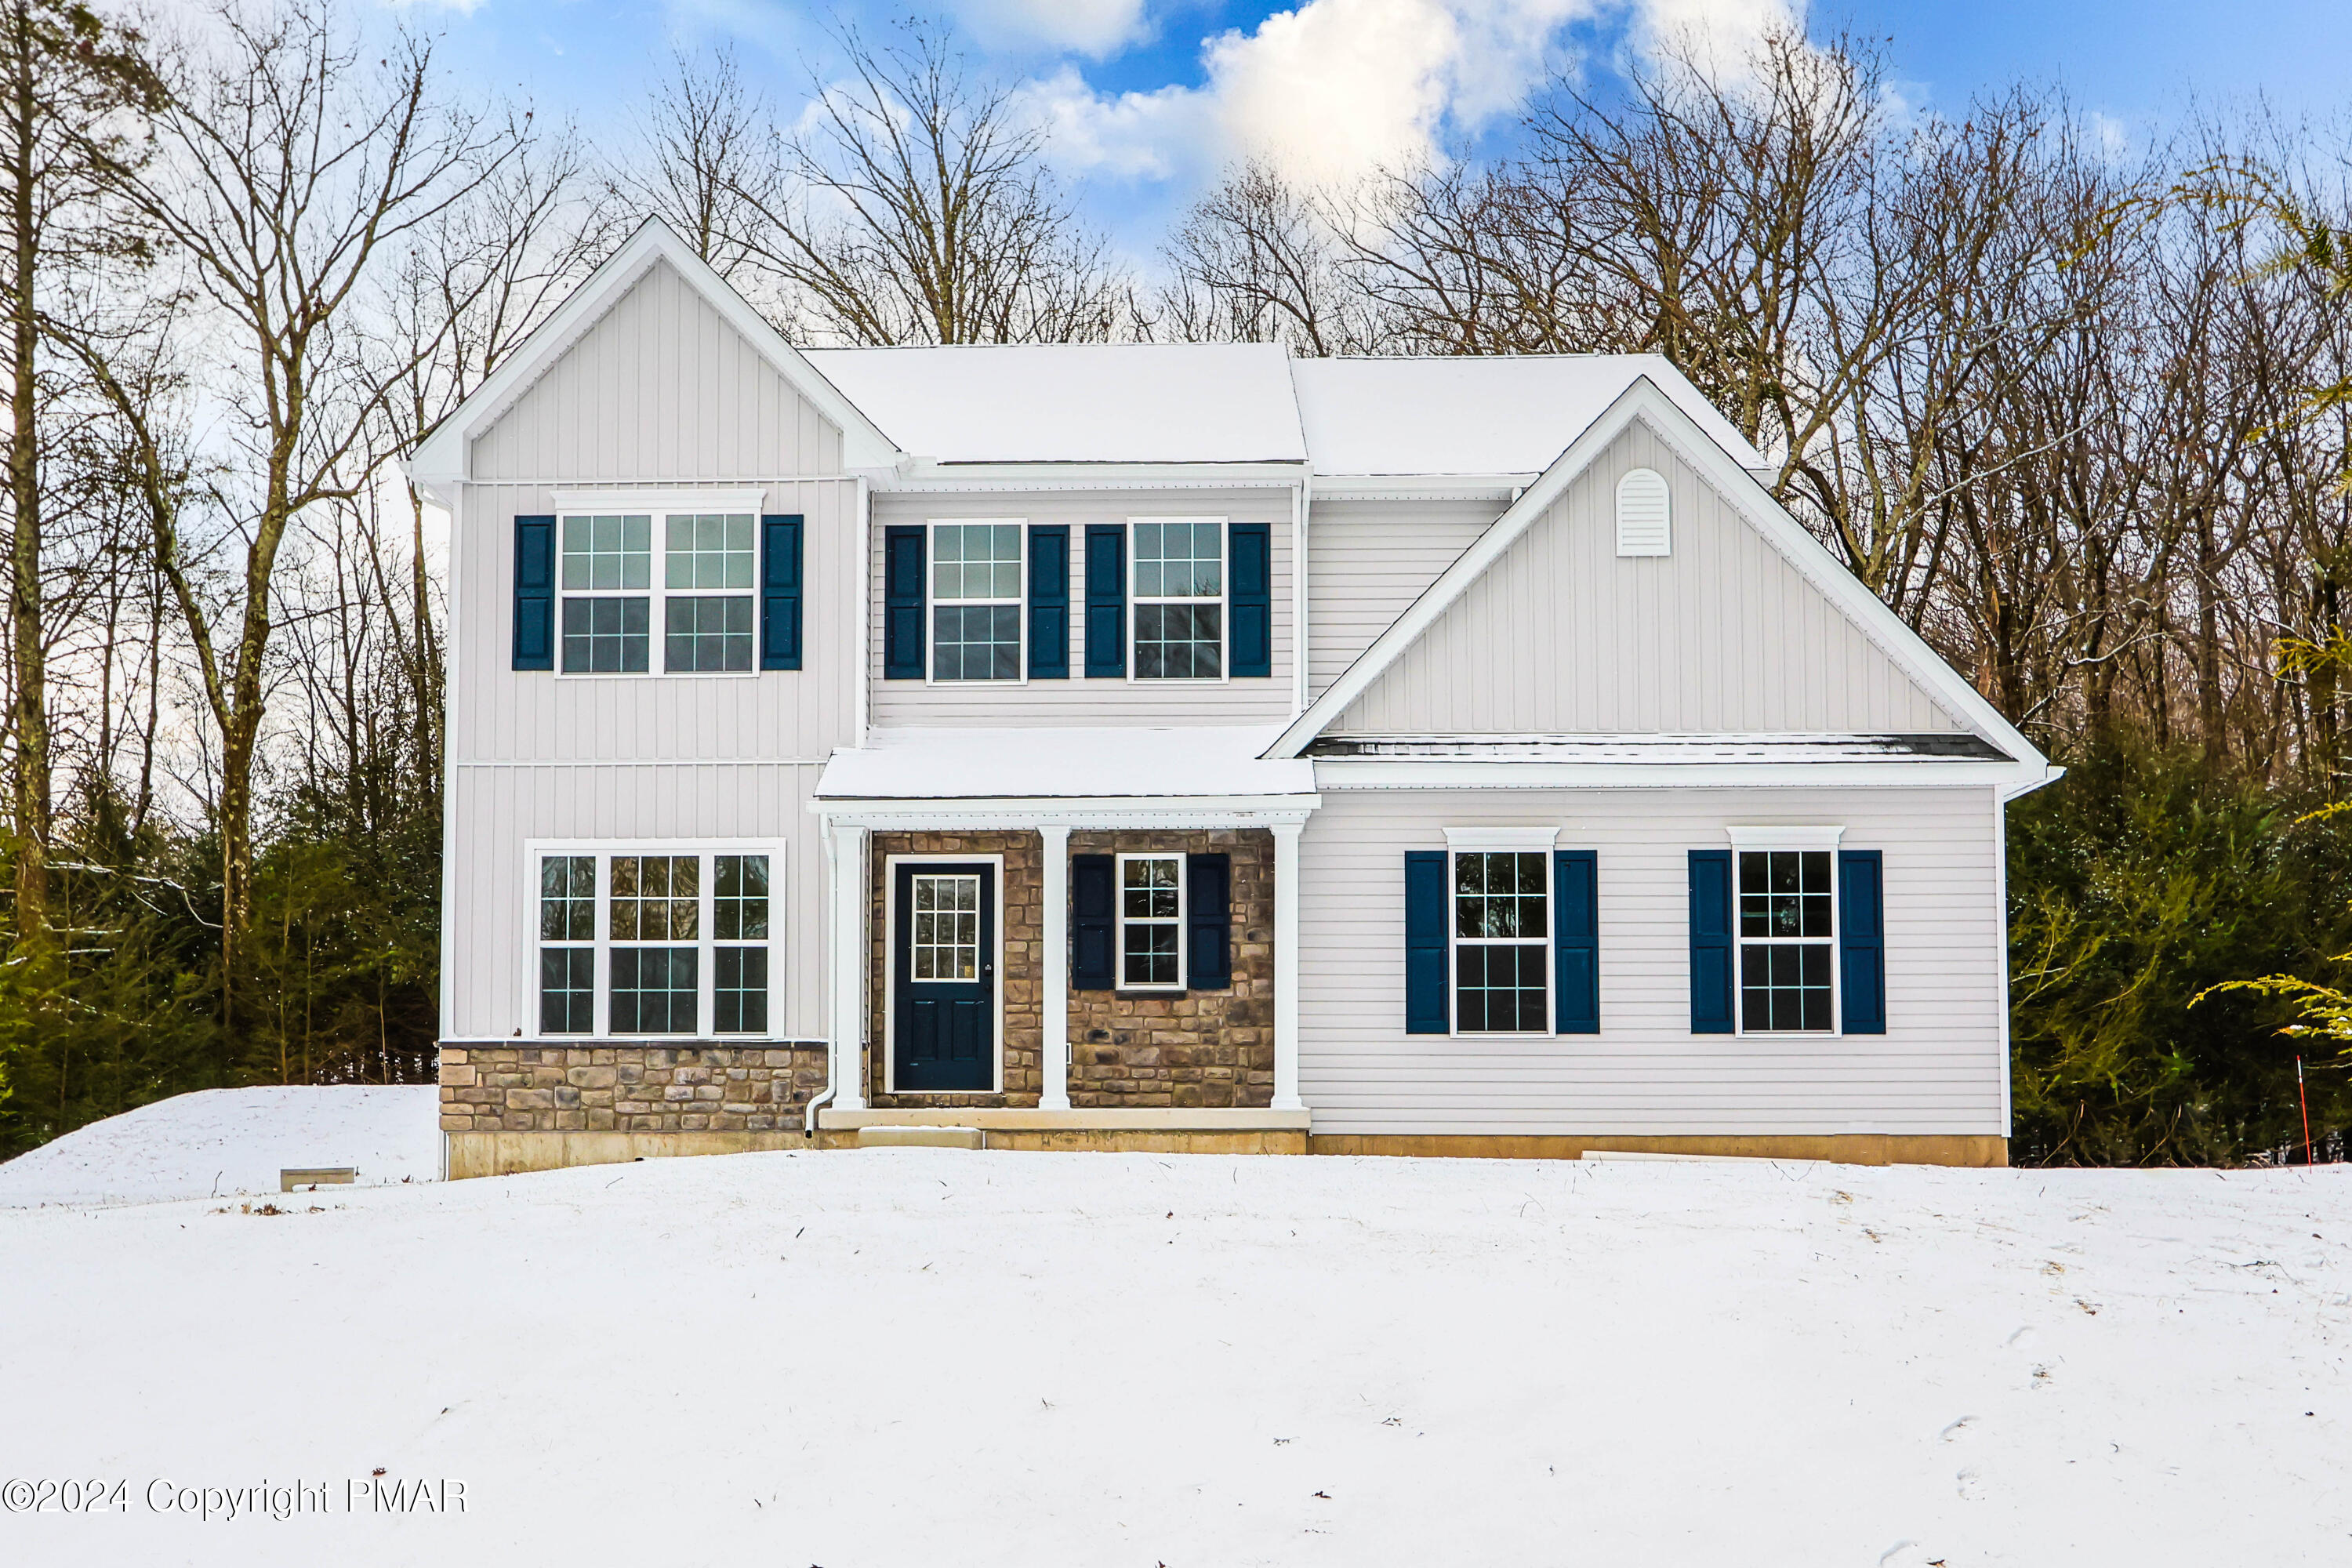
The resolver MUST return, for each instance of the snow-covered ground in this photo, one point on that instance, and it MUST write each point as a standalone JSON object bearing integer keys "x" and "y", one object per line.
{"x": 936, "y": 1357}
{"x": 231, "y": 1140}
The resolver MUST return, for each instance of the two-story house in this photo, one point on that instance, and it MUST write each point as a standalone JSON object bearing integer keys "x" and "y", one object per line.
{"x": 1181, "y": 747}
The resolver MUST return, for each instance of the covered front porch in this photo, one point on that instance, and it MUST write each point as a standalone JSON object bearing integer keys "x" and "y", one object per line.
{"x": 1069, "y": 938}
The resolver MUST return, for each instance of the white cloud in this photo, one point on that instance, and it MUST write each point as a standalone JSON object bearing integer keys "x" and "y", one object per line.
{"x": 1095, "y": 27}
{"x": 1334, "y": 89}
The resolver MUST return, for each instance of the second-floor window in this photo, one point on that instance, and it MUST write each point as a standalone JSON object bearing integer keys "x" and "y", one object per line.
{"x": 976, "y": 572}
{"x": 701, "y": 597}
{"x": 1179, "y": 600}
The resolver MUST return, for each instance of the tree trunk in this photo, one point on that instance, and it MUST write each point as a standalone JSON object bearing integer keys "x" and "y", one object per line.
{"x": 31, "y": 780}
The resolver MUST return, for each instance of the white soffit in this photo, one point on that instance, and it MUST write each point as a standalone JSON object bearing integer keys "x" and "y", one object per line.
{"x": 1041, "y": 765}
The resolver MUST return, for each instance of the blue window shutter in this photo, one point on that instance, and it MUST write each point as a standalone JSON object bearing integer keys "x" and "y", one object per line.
{"x": 902, "y": 602}
{"x": 1710, "y": 941}
{"x": 1209, "y": 917}
{"x": 1106, "y": 599}
{"x": 1252, "y": 598}
{"x": 1049, "y": 602}
{"x": 780, "y": 593}
{"x": 1425, "y": 1012}
{"x": 1576, "y": 942}
{"x": 1093, "y": 963}
{"x": 1862, "y": 942}
{"x": 534, "y": 593}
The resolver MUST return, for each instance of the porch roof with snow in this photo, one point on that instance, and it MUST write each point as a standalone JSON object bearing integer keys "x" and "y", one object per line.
{"x": 1050, "y": 772}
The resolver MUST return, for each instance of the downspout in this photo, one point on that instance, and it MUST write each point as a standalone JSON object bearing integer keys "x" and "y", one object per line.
{"x": 824, "y": 1096}
{"x": 1300, "y": 500}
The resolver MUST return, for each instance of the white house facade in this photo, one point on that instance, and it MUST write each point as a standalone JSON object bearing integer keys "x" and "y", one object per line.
{"x": 1184, "y": 747}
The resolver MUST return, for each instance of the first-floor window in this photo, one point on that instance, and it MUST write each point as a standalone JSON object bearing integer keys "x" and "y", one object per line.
{"x": 1502, "y": 930}
{"x": 1151, "y": 922}
{"x": 1788, "y": 924}
{"x": 680, "y": 940}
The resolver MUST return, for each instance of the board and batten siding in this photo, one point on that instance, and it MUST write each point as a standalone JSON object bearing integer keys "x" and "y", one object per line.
{"x": 1078, "y": 701}
{"x": 1938, "y": 1069}
{"x": 501, "y": 714}
{"x": 1367, "y": 562}
{"x": 662, "y": 384}
{"x": 1560, "y": 636}
{"x": 490, "y": 966}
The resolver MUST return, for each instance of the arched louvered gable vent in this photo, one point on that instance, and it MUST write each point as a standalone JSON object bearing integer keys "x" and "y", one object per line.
{"x": 1644, "y": 507}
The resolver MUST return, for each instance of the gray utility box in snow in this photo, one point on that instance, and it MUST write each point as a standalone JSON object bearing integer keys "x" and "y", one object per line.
{"x": 317, "y": 1176}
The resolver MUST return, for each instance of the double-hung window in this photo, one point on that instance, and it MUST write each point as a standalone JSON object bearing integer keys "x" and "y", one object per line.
{"x": 701, "y": 596}
{"x": 1179, "y": 591}
{"x": 659, "y": 940}
{"x": 1786, "y": 934}
{"x": 1502, "y": 941}
{"x": 1151, "y": 922}
{"x": 976, "y": 575}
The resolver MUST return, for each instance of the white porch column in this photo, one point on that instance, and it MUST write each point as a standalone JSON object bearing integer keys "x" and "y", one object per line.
{"x": 1285, "y": 967}
{"x": 1054, "y": 975}
{"x": 845, "y": 865}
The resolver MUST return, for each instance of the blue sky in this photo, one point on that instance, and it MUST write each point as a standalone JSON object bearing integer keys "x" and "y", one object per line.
{"x": 1149, "y": 97}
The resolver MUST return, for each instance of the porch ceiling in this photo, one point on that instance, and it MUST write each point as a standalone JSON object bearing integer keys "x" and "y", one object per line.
{"x": 1064, "y": 775}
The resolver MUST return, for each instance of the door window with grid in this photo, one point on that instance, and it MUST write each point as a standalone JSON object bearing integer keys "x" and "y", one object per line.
{"x": 1788, "y": 928}
{"x": 1180, "y": 599}
{"x": 1150, "y": 921}
{"x": 976, "y": 601}
{"x": 945, "y": 944}
{"x": 1502, "y": 943}
{"x": 682, "y": 942}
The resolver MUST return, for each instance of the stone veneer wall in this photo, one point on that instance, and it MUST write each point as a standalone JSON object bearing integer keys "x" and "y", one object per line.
{"x": 687, "y": 1088}
{"x": 1023, "y": 957}
{"x": 1202, "y": 1048}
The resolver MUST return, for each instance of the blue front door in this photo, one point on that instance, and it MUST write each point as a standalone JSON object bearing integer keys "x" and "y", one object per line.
{"x": 943, "y": 1003}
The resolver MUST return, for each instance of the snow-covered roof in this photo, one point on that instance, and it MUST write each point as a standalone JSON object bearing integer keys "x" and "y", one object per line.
{"x": 1692, "y": 750}
{"x": 1476, "y": 416}
{"x": 1038, "y": 764}
{"x": 1076, "y": 403}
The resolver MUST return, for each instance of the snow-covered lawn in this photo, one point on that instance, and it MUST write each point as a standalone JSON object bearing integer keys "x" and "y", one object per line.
{"x": 231, "y": 1140}
{"x": 935, "y": 1357}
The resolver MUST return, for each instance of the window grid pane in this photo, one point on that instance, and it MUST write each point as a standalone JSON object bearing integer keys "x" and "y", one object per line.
{"x": 605, "y": 636}
{"x": 706, "y": 633}
{"x": 945, "y": 942}
{"x": 976, "y": 642}
{"x": 656, "y": 898}
{"x": 739, "y": 990}
{"x": 708, "y": 550}
{"x": 607, "y": 554}
{"x": 739, "y": 898}
{"x": 1499, "y": 988}
{"x": 567, "y": 990}
{"x": 654, "y": 990}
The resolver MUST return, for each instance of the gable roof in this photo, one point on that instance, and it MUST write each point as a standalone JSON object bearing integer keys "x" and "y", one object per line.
{"x": 1476, "y": 416}
{"x": 1644, "y": 400}
{"x": 1077, "y": 403}
{"x": 443, "y": 458}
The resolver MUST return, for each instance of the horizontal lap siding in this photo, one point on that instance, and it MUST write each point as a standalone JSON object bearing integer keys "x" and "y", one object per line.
{"x": 1367, "y": 562}
{"x": 498, "y": 713}
{"x": 1079, "y": 700}
{"x": 1561, "y": 636}
{"x": 1938, "y": 1069}
{"x": 491, "y": 916}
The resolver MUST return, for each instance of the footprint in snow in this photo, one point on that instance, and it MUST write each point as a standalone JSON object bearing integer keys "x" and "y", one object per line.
{"x": 1957, "y": 1429}
{"x": 1972, "y": 1486}
{"x": 2021, "y": 1339}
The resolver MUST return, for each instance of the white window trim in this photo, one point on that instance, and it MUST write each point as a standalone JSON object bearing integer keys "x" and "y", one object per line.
{"x": 1119, "y": 981}
{"x": 1762, "y": 840}
{"x": 1224, "y": 601}
{"x": 603, "y": 850}
{"x": 659, "y": 505}
{"x": 930, "y": 627}
{"x": 1519, "y": 838}
{"x": 1487, "y": 841}
{"x": 891, "y": 864}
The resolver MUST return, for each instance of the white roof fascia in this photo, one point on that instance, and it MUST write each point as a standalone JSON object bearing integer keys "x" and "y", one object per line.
{"x": 924, "y": 476}
{"x": 1343, "y": 774}
{"x": 1643, "y": 398}
{"x": 443, "y": 458}
{"x": 987, "y": 813}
